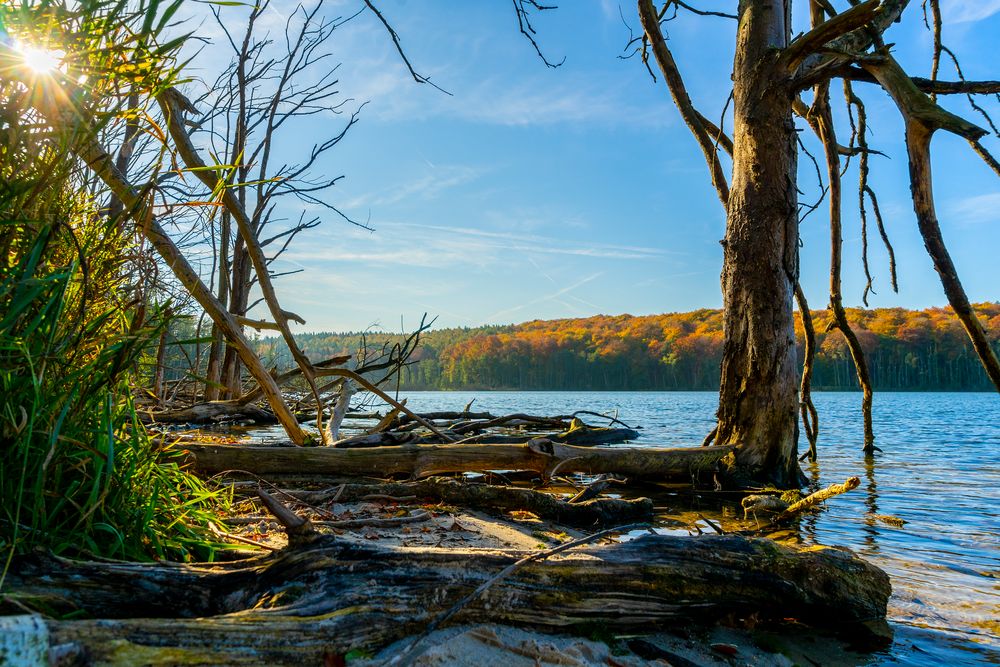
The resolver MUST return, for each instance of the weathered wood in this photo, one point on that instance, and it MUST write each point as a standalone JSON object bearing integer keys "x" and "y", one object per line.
{"x": 211, "y": 413}
{"x": 820, "y": 496}
{"x": 509, "y": 421}
{"x": 588, "y": 436}
{"x": 326, "y": 597}
{"x": 495, "y": 500}
{"x": 539, "y": 455}
{"x": 448, "y": 414}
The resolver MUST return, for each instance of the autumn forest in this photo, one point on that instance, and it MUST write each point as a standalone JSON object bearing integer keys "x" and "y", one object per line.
{"x": 924, "y": 350}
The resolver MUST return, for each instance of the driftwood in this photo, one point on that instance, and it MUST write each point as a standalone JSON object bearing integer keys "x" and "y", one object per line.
{"x": 820, "y": 496}
{"x": 212, "y": 412}
{"x": 325, "y": 597}
{"x": 448, "y": 415}
{"x": 495, "y": 500}
{"x": 783, "y": 510}
{"x": 580, "y": 437}
{"x": 539, "y": 455}
{"x": 585, "y": 436}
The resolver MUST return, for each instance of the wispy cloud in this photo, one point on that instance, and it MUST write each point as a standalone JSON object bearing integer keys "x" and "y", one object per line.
{"x": 537, "y": 99}
{"x": 611, "y": 9}
{"x": 430, "y": 185}
{"x": 545, "y": 245}
{"x": 976, "y": 210}
{"x": 554, "y": 296}
{"x": 961, "y": 11}
{"x": 432, "y": 246}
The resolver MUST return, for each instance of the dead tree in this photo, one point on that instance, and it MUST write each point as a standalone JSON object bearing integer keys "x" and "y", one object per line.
{"x": 269, "y": 84}
{"x": 759, "y": 394}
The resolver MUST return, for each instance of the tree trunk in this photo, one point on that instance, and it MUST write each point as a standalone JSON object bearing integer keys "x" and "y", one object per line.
{"x": 542, "y": 456}
{"x": 239, "y": 296}
{"x": 325, "y": 597}
{"x": 213, "y": 375}
{"x": 758, "y": 397}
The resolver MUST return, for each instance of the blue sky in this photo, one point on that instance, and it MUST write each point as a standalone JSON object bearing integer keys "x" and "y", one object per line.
{"x": 542, "y": 193}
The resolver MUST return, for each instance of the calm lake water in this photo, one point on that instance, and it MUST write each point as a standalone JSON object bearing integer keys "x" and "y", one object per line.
{"x": 938, "y": 471}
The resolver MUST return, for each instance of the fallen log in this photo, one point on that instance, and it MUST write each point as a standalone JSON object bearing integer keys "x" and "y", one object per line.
{"x": 510, "y": 421}
{"x": 588, "y": 436}
{"x": 495, "y": 500}
{"x": 324, "y": 598}
{"x": 212, "y": 412}
{"x": 539, "y": 455}
{"x": 448, "y": 415}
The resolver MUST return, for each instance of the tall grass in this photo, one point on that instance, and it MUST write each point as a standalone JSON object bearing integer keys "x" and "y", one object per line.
{"x": 78, "y": 472}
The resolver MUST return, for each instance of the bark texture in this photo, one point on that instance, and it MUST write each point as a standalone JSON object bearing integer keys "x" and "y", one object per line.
{"x": 324, "y": 598}
{"x": 758, "y": 397}
{"x": 540, "y": 455}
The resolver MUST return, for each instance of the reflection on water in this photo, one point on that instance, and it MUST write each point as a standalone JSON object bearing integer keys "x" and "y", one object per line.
{"x": 871, "y": 502}
{"x": 937, "y": 472}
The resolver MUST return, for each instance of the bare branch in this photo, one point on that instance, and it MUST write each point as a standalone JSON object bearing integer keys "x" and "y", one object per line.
{"x": 172, "y": 110}
{"x": 986, "y": 155}
{"x": 914, "y": 104}
{"x": 691, "y": 116}
{"x": 810, "y": 417}
{"x": 864, "y": 189}
{"x": 957, "y": 87}
{"x": 813, "y": 41}
{"x": 821, "y": 120}
{"x": 936, "y": 55}
{"x": 419, "y": 78}
{"x": 847, "y": 48}
{"x": 923, "y": 118}
{"x": 524, "y": 25}
{"x": 700, "y": 12}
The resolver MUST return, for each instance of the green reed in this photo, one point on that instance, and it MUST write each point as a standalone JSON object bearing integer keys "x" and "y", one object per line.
{"x": 79, "y": 474}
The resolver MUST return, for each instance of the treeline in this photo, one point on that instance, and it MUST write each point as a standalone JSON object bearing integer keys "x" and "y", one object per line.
{"x": 907, "y": 350}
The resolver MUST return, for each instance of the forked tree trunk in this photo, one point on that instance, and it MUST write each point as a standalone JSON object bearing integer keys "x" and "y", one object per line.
{"x": 758, "y": 397}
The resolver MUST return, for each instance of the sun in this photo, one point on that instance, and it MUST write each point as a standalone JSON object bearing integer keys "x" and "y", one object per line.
{"x": 41, "y": 61}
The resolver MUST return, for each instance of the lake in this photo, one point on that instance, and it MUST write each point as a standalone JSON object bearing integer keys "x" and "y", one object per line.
{"x": 938, "y": 471}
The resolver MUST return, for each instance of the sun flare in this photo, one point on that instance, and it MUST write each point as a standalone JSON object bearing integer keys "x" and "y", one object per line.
{"x": 41, "y": 61}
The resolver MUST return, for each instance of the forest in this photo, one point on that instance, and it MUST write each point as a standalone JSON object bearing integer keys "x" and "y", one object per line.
{"x": 922, "y": 350}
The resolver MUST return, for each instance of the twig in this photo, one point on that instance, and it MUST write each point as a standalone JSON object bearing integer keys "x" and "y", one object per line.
{"x": 611, "y": 420}
{"x": 419, "y": 78}
{"x": 340, "y": 492}
{"x": 552, "y": 473}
